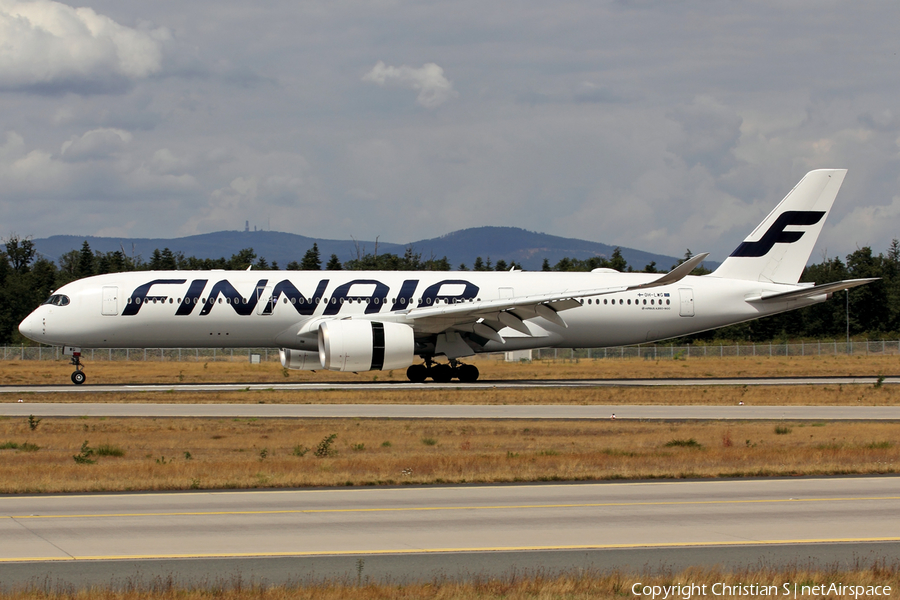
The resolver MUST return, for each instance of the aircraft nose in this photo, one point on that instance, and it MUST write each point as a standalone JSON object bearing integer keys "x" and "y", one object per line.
{"x": 32, "y": 327}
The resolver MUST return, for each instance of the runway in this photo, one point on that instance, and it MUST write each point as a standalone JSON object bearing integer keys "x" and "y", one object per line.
{"x": 480, "y": 385}
{"x": 452, "y": 411}
{"x": 502, "y": 526}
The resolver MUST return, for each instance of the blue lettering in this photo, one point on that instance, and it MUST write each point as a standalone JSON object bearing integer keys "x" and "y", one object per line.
{"x": 432, "y": 294}
{"x": 241, "y": 305}
{"x": 140, "y": 297}
{"x": 378, "y": 296}
{"x": 405, "y": 298}
{"x": 192, "y": 298}
{"x": 304, "y": 306}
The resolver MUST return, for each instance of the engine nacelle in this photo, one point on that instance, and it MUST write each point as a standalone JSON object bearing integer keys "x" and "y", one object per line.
{"x": 300, "y": 360}
{"x": 351, "y": 345}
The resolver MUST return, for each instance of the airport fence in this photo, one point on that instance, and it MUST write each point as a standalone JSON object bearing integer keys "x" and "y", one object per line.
{"x": 648, "y": 351}
{"x": 658, "y": 351}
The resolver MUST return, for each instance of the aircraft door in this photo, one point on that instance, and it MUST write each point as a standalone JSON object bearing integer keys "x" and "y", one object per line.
{"x": 263, "y": 296}
{"x": 505, "y": 292}
{"x": 110, "y": 305}
{"x": 686, "y": 296}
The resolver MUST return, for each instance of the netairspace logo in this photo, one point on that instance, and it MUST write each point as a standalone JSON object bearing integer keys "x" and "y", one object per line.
{"x": 693, "y": 590}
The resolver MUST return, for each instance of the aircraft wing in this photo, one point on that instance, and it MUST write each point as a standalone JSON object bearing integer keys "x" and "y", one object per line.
{"x": 807, "y": 292}
{"x": 489, "y": 316}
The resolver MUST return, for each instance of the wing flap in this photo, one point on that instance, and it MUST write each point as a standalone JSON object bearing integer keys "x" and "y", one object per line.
{"x": 512, "y": 312}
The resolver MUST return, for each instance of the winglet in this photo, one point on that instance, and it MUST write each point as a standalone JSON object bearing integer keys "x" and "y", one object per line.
{"x": 676, "y": 274}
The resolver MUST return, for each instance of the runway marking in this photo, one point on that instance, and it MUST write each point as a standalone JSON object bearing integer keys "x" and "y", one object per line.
{"x": 443, "y": 508}
{"x": 451, "y": 550}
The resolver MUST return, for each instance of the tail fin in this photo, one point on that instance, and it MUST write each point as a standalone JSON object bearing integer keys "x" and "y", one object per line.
{"x": 778, "y": 249}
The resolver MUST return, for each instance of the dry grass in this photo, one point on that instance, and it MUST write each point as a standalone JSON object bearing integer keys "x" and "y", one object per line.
{"x": 784, "y": 395}
{"x": 492, "y": 368}
{"x": 173, "y": 454}
{"x": 530, "y": 586}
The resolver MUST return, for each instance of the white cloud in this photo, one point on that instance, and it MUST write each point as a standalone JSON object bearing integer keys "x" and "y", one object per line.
{"x": 661, "y": 126}
{"x": 53, "y": 48}
{"x": 434, "y": 89}
{"x": 95, "y": 144}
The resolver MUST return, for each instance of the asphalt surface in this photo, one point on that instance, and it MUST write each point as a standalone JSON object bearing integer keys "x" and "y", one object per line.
{"x": 13, "y": 408}
{"x": 414, "y": 533}
{"x": 480, "y": 385}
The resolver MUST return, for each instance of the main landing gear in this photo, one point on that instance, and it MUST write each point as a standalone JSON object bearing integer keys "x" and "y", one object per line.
{"x": 78, "y": 377}
{"x": 442, "y": 373}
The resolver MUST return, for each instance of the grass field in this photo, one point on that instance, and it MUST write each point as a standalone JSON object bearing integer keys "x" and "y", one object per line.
{"x": 492, "y": 368}
{"x": 96, "y": 454}
{"x": 169, "y": 454}
{"x": 527, "y": 586}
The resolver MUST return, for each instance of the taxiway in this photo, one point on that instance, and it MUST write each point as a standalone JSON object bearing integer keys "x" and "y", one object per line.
{"x": 494, "y": 527}
{"x": 480, "y": 385}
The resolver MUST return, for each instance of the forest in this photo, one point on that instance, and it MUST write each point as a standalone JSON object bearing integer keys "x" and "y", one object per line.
{"x": 27, "y": 279}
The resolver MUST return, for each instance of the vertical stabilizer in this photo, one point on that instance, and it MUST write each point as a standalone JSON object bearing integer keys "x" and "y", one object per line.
{"x": 778, "y": 249}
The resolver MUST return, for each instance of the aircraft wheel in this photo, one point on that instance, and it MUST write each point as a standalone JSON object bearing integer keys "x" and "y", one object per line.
{"x": 417, "y": 373}
{"x": 467, "y": 373}
{"x": 78, "y": 377}
{"x": 441, "y": 373}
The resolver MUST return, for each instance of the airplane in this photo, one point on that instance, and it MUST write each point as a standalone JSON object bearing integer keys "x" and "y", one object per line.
{"x": 381, "y": 320}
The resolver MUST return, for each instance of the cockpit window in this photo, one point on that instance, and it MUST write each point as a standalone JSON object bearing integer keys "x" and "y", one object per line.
{"x": 57, "y": 300}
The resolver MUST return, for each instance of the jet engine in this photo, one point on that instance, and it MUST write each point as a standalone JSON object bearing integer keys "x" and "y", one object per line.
{"x": 357, "y": 345}
{"x": 300, "y": 360}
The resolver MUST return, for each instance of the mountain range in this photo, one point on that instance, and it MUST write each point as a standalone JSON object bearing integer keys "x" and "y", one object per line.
{"x": 527, "y": 248}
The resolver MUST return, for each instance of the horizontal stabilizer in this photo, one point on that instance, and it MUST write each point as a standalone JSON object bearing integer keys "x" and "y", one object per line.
{"x": 808, "y": 292}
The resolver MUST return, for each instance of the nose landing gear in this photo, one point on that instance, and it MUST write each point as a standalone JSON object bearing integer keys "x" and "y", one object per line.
{"x": 442, "y": 373}
{"x": 78, "y": 377}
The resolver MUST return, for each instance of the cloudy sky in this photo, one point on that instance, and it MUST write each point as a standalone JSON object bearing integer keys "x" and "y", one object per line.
{"x": 651, "y": 124}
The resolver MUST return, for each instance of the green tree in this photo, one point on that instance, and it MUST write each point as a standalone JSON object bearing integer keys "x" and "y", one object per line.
{"x": 311, "y": 260}
{"x": 85, "y": 266}
{"x": 334, "y": 263}
{"x": 242, "y": 260}
{"x": 617, "y": 261}
{"x": 20, "y": 253}
{"x": 25, "y": 282}
{"x": 163, "y": 260}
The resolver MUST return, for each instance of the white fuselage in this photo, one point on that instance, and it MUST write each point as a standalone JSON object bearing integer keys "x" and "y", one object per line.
{"x": 268, "y": 308}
